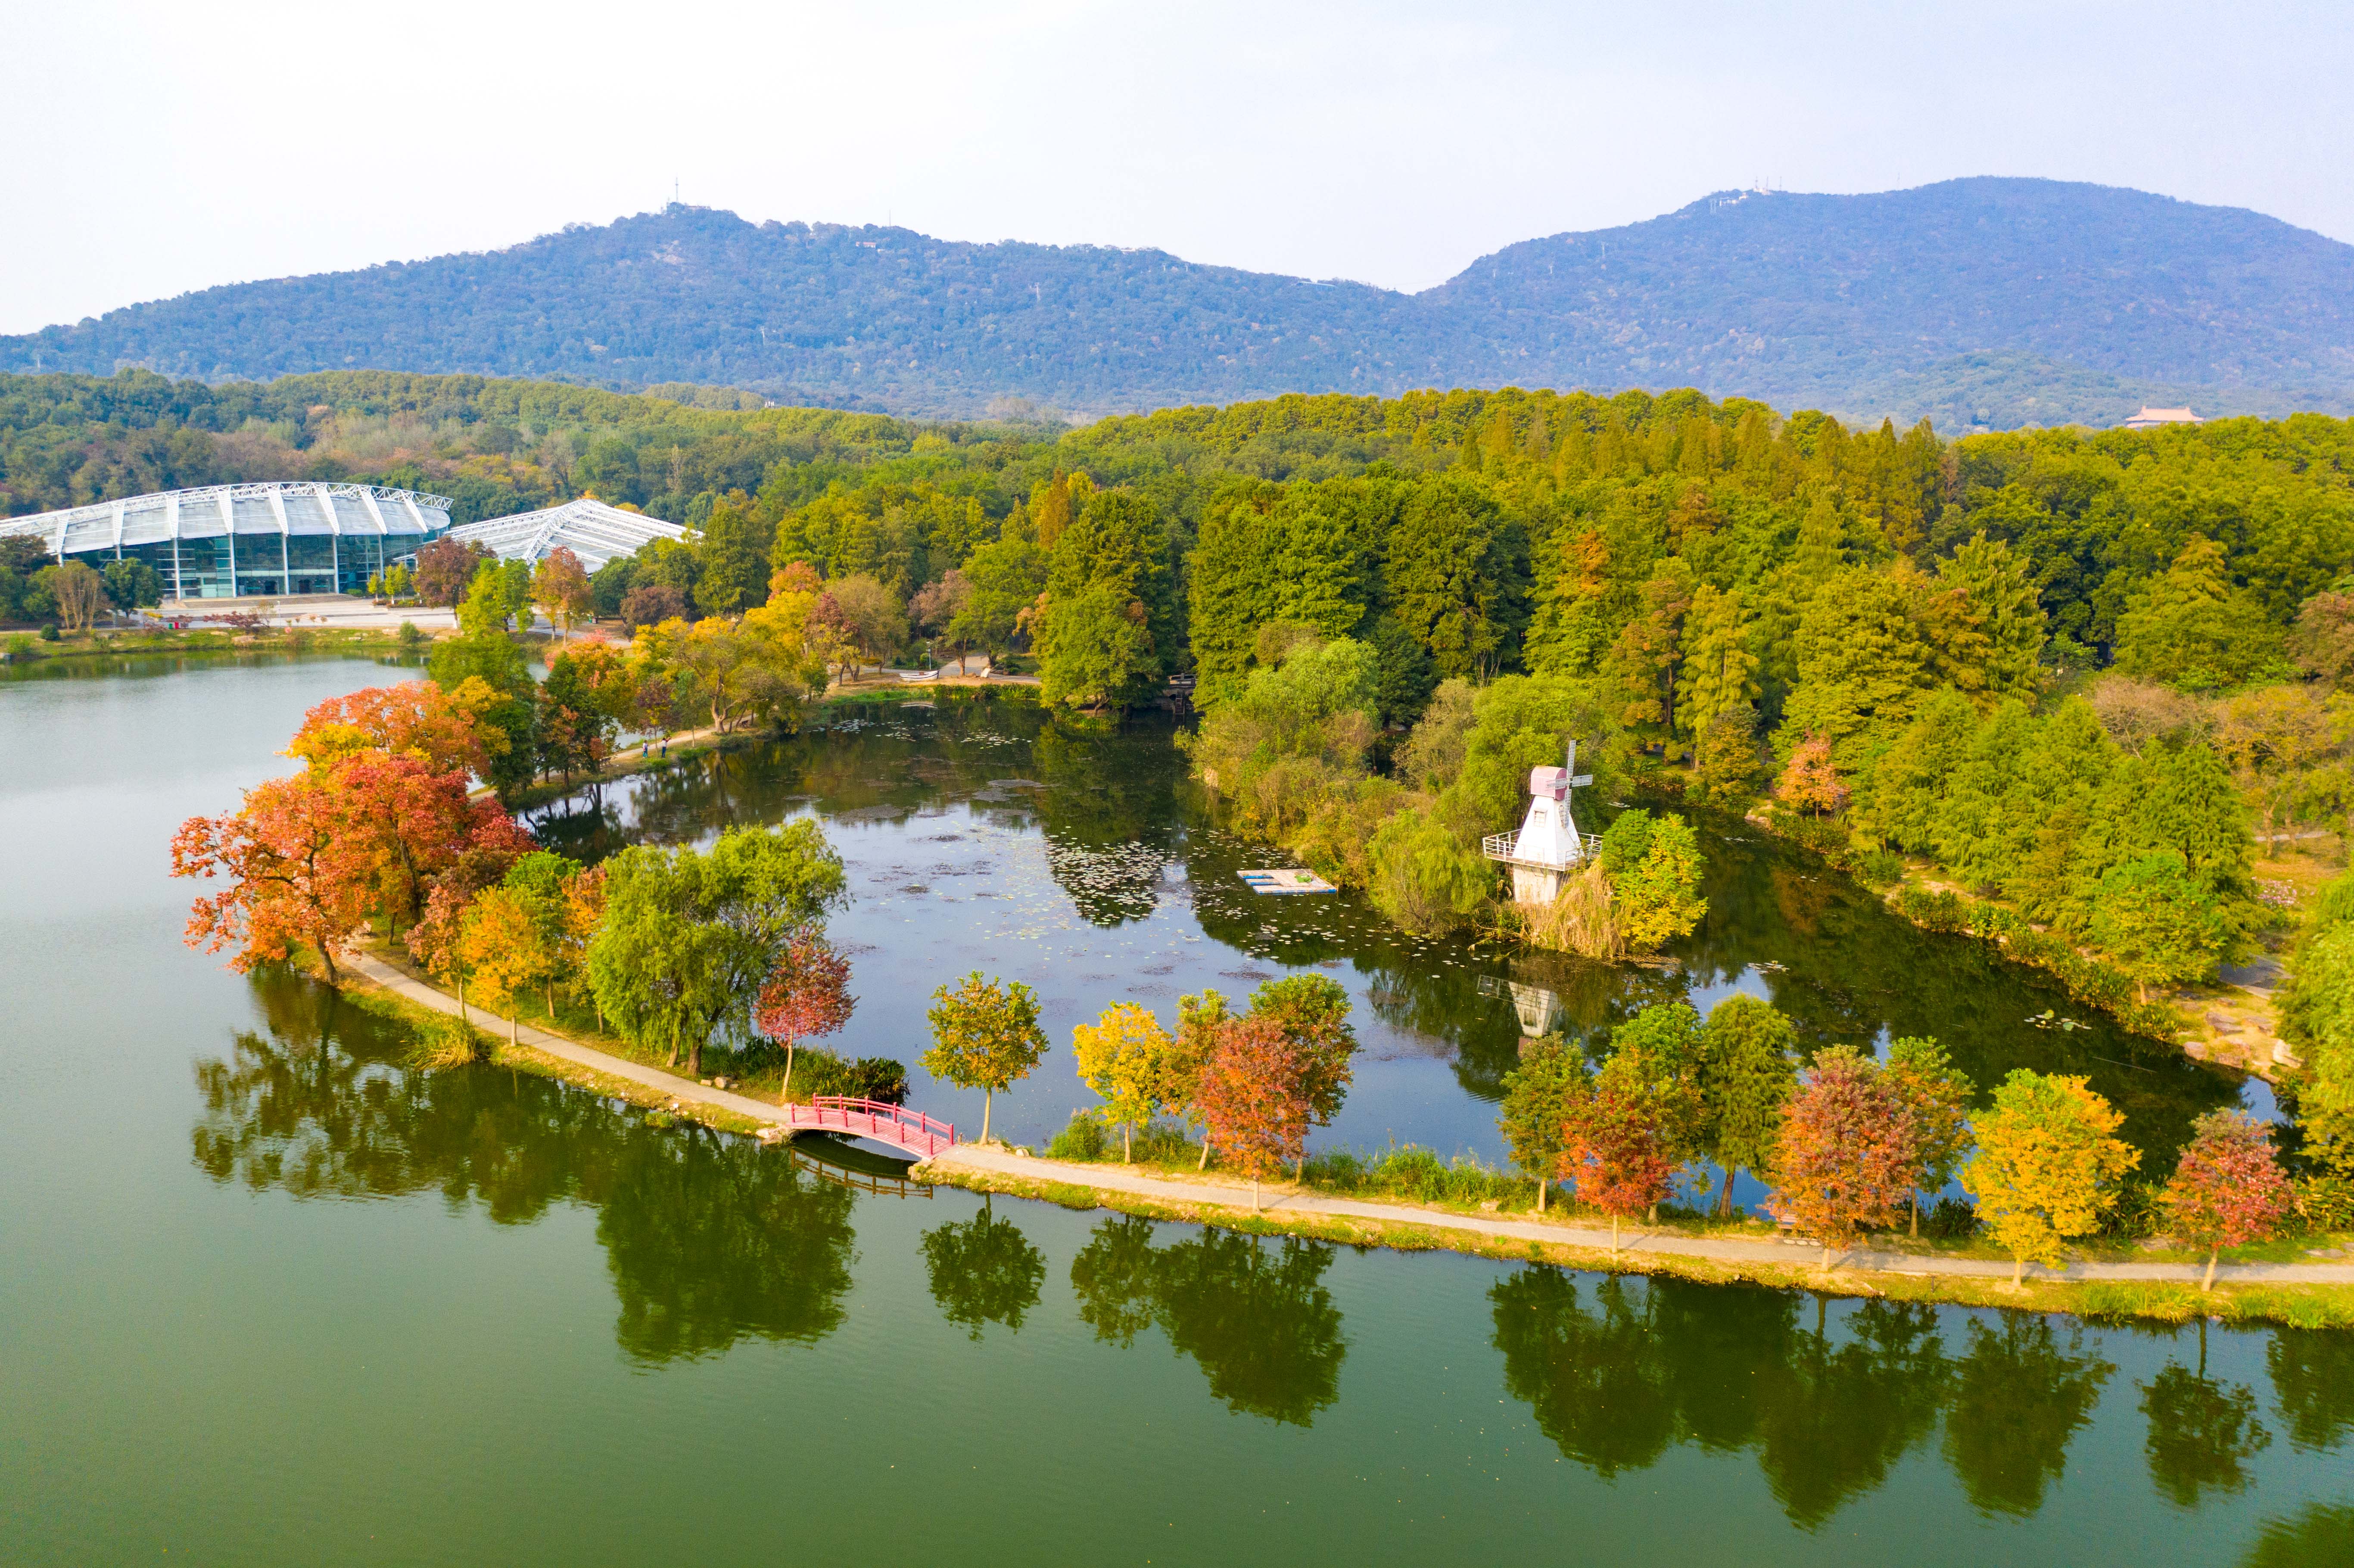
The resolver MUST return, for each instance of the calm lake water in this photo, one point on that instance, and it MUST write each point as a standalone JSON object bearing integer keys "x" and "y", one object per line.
{"x": 268, "y": 1297}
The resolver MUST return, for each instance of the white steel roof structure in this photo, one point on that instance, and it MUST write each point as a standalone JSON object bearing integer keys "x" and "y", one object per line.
{"x": 588, "y": 527}
{"x": 281, "y": 507}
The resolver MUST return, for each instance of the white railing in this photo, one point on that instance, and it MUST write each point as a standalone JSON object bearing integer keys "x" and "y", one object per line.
{"x": 1505, "y": 847}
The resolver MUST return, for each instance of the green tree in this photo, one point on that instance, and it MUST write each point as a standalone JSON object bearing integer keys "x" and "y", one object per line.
{"x": 1453, "y": 576}
{"x": 689, "y": 936}
{"x": 1718, "y": 675}
{"x": 1094, "y": 649}
{"x": 1538, "y": 1097}
{"x": 2158, "y": 924}
{"x": 2192, "y": 627}
{"x": 1937, "y": 1094}
{"x": 985, "y": 1036}
{"x": 1748, "y": 1066}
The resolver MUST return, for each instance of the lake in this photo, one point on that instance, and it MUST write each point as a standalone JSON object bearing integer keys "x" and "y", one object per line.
{"x": 272, "y": 1297}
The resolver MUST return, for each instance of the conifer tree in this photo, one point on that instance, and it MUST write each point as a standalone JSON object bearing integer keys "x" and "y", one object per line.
{"x": 1718, "y": 670}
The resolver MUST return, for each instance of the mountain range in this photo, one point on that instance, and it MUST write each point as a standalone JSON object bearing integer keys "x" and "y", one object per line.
{"x": 1977, "y": 302}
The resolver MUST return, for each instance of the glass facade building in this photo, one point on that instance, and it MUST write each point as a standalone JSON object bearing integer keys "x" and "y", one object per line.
{"x": 244, "y": 541}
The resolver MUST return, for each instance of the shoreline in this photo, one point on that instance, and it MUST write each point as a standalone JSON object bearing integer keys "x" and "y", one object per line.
{"x": 2303, "y": 1294}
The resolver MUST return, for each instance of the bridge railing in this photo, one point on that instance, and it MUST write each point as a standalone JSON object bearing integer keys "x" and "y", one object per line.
{"x": 877, "y": 1119}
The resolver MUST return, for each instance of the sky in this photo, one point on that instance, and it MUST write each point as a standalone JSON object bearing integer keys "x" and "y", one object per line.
{"x": 157, "y": 148}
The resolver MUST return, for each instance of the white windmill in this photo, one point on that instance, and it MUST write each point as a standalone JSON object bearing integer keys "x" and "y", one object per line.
{"x": 1548, "y": 847}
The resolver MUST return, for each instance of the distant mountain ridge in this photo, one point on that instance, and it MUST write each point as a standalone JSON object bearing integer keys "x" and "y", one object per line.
{"x": 1977, "y": 301}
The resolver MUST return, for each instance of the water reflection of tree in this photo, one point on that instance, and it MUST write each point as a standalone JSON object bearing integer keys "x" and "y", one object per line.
{"x": 1110, "y": 809}
{"x": 983, "y": 1270}
{"x": 1848, "y": 1413}
{"x": 2202, "y": 1430}
{"x": 2019, "y": 1397}
{"x": 709, "y": 1239}
{"x": 2323, "y": 1532}
{"x": 1620, "y": 1371}
{"x": 713, "y": 1239}
{"x": 1599, "y": 1381}
{"x": 1259, "y": 1320}
{"x": 2313, "y": 1386}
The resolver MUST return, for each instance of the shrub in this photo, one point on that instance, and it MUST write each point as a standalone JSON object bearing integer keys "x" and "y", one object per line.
{"x": 1880, "y": 867}
{"x": 1940, "y": 911}
{"x": 1824, "y": 835}
{"x": 1083, "y": 1140}
{"x": 2325, "y": 1203}
{"x": 1950, "y": 1219}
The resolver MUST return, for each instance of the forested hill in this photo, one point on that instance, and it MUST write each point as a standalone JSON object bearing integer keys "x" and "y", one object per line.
{"x": 1975, "y": 303}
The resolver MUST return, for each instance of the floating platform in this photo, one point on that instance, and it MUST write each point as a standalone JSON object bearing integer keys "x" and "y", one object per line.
{"x": 1286, "y": 879}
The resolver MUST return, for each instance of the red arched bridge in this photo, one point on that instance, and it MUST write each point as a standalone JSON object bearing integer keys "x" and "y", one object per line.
{"x": 898, "y": 1125}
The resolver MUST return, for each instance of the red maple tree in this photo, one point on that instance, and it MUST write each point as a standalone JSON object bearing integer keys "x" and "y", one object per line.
{"x": 1616, "y": 1150}
{"x": 293, "y": 876}
{"x": 807, "y": 994}
{"x": 1848, "y": 1153}
{"x": 1254, "y": 1097}
{"x": 2227, "y": 1190}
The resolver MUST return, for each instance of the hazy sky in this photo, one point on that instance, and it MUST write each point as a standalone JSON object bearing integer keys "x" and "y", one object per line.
{"x": 154, "y": 148}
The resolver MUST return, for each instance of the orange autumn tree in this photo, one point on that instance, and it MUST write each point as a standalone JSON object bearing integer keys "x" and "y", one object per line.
{"x": 1847, "y": 1152}
{"x": 1254, "y": 1097}
{"x": 408, "y": 824}
{"x": 293, "y": 879}
{"x": 416, "y": 719}
{"x": 2227, "y": 1190}
{"x": 1617, "y": 1145}
{"x": 1810, "y": 783}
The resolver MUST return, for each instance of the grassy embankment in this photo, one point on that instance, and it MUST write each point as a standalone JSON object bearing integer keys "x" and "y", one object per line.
{"x": 1414, "y": 1177}
{"x": 2301, "y": 1305}
{"x": 114, "y": 642}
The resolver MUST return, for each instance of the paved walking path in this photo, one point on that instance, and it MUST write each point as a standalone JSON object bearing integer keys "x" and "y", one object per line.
{"x": 677, "y": 1088}
{"x": 1282, "y": 1199}
{"x": 1286, "y": 1200}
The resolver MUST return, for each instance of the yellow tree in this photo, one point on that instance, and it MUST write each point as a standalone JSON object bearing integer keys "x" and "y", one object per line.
{"x": 2047, "y": 1167}
{"x": 1124, "y": 1057}
{"x": 505, "y": 945}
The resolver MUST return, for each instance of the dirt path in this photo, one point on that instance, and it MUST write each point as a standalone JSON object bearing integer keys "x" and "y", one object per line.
{"x": 1278, "y": 1200}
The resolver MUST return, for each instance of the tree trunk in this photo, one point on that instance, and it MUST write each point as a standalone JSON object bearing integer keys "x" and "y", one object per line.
{"x": 1128, "y": 1143}
{"x": 1917, "y": 1213}
{"x": 1542, "y": 1185}
{"x": 1614, "y": 1233}
{"x": 695, "y": 1058}
{"x": 1254, "y": 1194}
{"x": 1725, "y": 1202}
{"x": 785, "y": 1095}
{"x": 461, "y": 1000}
{"x": 673, "y": 1046}
{"x": 2017, "y": 1273}
{"x": 2209, "y": 1283}
{"x": 1826, "y": 1257}
{"x": 512, "y": 1041}
{"x": 988, "y": 1098}
{"x": 1206, "y": 1153}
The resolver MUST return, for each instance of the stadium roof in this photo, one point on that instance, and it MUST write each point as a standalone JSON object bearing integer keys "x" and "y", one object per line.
{"x": 588, "y": 527}
{"x": 278, "y": 507}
